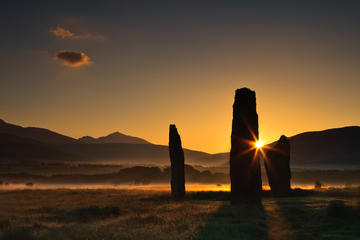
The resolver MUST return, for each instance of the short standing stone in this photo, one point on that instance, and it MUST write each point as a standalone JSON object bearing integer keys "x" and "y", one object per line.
{"x": 245, "y": 172}
{"x": 277, "y": 165}
{"x": 177, "y": 164}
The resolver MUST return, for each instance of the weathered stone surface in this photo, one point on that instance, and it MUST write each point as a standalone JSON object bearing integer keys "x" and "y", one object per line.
{"x": 245, "y": 172}
{"x": 177, "y": 163}
{"x": 277, "y": 165}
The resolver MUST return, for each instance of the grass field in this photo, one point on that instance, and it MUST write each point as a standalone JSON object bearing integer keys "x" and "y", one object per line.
{"x": 135, "y": 214}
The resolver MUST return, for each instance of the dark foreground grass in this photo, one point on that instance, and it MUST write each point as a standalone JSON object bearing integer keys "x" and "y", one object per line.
{"x": 112, "y": 214}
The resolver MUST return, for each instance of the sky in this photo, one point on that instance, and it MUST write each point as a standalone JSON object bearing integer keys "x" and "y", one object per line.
{"x": 95, "y": 67}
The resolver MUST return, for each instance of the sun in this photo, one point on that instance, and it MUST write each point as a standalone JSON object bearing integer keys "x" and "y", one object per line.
{"x": 259, "y": 144}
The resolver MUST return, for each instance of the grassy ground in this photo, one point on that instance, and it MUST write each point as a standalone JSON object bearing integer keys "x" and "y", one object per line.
{"x": 113, "y": 214}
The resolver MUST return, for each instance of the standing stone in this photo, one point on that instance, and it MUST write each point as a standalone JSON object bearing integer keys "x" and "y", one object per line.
{"x": 277, "y": 165}
{"x": 177, "y": 164}
{"x": 245, "y": 172}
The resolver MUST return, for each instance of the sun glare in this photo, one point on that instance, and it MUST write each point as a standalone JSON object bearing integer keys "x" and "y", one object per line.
{"x": 259, "y": 144}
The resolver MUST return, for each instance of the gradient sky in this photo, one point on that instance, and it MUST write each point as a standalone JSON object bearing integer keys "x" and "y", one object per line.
{"x": 152, "y": 63}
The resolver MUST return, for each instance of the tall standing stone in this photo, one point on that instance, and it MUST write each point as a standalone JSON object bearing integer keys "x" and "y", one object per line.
{"x": 277, "y": 165}
{"x": 177, "y": 164}
{"x": 245, "y": 172}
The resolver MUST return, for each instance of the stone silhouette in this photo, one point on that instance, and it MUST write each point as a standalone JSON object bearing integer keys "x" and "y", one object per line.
{"x": 245, "y": 172}
{"x": 277, "y": 165}
{"x": 177, "y": 163}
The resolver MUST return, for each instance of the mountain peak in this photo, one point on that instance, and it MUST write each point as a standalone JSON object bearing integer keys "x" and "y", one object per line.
{"x": 115, "y": 137}
{"x": 86, "y": 138}
{"x": 115, "y": 134}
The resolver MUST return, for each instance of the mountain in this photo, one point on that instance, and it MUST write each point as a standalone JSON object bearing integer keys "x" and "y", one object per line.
{"x": 338, "y": 146}
{"x": 46, "y": 136}
{"x": 19, "y": 143}
{"x": 133, "y": 153}
{"x": 19, "y": 149}
{"x": 115, "y": 137}
{"x": 332, "y": 147}
{"x": 40, "y": 134}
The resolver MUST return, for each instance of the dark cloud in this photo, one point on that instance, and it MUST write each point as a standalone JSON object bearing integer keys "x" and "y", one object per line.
{"x": 73, "y": 59}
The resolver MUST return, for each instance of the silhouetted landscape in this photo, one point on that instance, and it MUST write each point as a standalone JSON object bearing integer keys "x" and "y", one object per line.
{"x": 186, "y": 120}
{"x": 329, "y": 148}
{"x": 43, "y": 156}
{"x": 127, "y": 177}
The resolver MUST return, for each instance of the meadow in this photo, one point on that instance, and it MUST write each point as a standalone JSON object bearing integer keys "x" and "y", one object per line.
{"x": 139, "y": 214}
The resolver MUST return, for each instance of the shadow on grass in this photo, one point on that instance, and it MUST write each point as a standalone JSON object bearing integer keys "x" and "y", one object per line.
{"x": 305, "y": 214}
{"x": 247, "y": 221}
{"x": 243, "y": 221}
{"x": 320, "y": 218}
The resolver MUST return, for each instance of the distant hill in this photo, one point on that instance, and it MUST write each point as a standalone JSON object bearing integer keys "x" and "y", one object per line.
{"x": 338, "y": 146}
{"x": 115, "y": 137}
{"x": 41, "y": 144}
{"x": 134, "y": 153}
{"x": 40, "y": 134}
{"x": 46, "y": 136}
{"x": 19, "y": 149}
{"x": 333, "y": 147}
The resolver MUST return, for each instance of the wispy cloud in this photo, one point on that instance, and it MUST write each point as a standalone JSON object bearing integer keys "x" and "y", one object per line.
{"x": 65, "y": 33}
{"x": 90, "y": 36}
{"x": 73, "y": 59}
{"x": 61, "y": 32}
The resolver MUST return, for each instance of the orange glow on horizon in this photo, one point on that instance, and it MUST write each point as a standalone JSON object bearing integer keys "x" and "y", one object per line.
{"x": 190, "y": 187}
